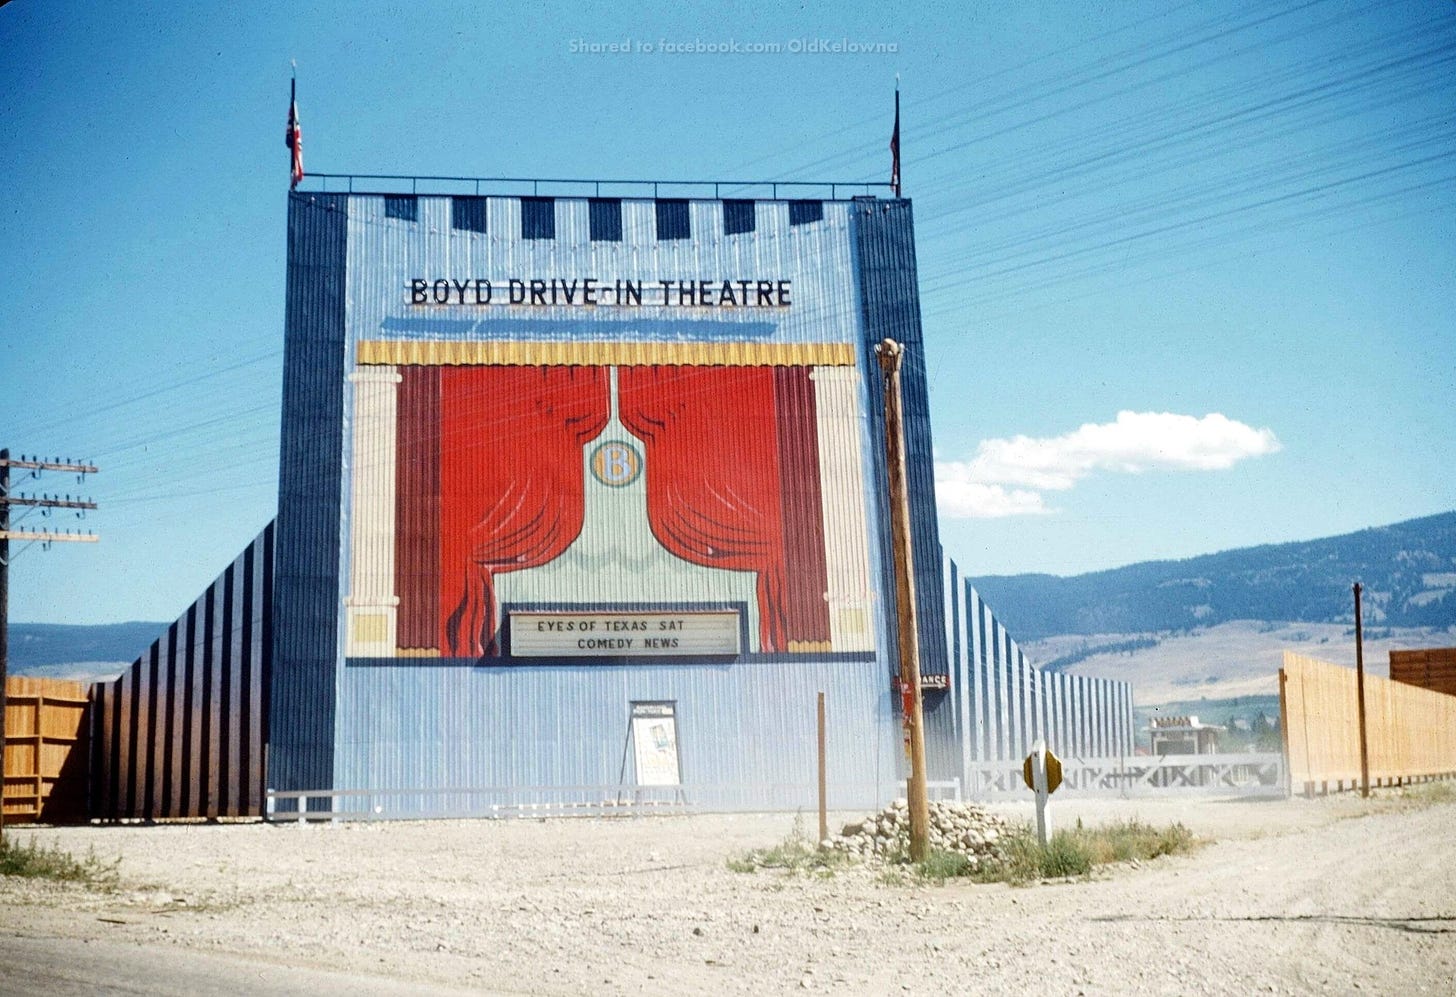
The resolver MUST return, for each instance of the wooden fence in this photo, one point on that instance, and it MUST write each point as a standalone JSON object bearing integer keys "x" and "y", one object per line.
{"x": 1434, "y": 668}
{"x": 1410, "y": 732}
{"x": 46, "y": 750}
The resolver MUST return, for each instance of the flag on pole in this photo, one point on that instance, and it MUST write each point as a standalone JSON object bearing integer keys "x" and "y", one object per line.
{"x": 895, "y": 146}
{"x": 294, "y": 136}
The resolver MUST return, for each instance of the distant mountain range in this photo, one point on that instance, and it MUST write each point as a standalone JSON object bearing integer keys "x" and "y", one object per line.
{"x": 57, "y": 650}
{"x": 1407, "y": 570}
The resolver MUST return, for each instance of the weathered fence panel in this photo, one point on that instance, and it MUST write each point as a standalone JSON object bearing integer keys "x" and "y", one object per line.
{"x": 1410, "y": 732}
{"x": 1433, "y": 668}
{"x": 46, "y": 746}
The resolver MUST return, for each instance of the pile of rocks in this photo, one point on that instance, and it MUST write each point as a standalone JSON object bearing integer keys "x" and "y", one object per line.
{"x": 954, "y": 827}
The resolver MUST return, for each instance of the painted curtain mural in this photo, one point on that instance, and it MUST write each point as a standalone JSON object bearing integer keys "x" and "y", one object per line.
{"x": 490, "y": 480}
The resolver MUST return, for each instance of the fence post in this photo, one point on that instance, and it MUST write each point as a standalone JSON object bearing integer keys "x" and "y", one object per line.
{"x": 1360, "y": 693}
{"x": 823, "y": 805}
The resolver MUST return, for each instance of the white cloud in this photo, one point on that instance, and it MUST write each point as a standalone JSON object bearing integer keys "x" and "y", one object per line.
{"x": 1006, "y": 477}
{"x": 962, "y": 499}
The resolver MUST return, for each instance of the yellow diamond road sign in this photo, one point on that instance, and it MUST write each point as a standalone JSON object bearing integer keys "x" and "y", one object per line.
{"x": 1054, "y": 772}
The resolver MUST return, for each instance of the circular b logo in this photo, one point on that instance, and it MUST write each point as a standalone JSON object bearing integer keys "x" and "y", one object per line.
{"x": 616, "y": 463}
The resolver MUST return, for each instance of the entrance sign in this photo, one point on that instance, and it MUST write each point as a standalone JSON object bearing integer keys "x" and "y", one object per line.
{"x": 588, "y": 634}
{"x": 654, "y": 744}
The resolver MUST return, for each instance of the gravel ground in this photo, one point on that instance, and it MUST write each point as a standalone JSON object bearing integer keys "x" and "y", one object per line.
{"x": 1304, "y": 896}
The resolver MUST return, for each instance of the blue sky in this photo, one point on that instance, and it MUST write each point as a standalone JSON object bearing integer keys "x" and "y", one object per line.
{"x": 1233, "y": 222}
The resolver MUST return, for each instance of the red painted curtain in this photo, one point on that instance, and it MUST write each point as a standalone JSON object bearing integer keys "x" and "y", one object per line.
{"x": 802, "y": 498}
{"x": 490, "y": 480}
{"x": 511, "y": 493}
{"x": 417, "y": 508}
{"x": 717, "y": 470}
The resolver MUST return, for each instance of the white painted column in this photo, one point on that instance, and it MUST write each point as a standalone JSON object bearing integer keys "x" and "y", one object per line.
{"x": 372, "y": 606}
{"x": 846, "y": 524}
{"x": 962, "y": 667}
{"x": 1006, "y": 745}
{"x": 977, "y": 646}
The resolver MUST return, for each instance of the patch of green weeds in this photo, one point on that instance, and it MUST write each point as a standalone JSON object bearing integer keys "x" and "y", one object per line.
{"x": 795, "y": 854}
{"x": 1075, "y": 851}
{"x": 31, "y": 859}
{"x": 940, "y": 866}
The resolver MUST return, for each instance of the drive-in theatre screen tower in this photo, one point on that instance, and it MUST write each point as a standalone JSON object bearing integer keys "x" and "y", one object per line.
{"x": 583, "y": 499}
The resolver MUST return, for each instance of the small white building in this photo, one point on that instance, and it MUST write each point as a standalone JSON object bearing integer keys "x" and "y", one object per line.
{"x": 1183, "y": 736}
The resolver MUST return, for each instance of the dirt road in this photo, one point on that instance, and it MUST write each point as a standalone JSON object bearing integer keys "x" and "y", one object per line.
{"x": 1325, "y": 896}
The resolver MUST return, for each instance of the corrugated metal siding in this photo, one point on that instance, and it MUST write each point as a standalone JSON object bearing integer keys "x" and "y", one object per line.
{"x": 384, "y": 253}
{"x": 585, "y": 354}
{"x": 746, "y": 733}
{"x": 310, "y": 494}
{"x": 402, "y": 736}
{"x": 180, "y": 733}
{"x": 884, "y": 241}
{"x": 443, "y": 724}
{"x": 1003, "y": 704}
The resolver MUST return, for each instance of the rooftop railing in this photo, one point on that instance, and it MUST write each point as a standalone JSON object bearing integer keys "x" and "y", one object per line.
{"x": 775, "y": 190}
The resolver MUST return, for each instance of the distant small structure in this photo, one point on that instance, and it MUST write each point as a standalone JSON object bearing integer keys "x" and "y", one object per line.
{"x": 1433, "y": 668}
{"x": 1183, "y": 736}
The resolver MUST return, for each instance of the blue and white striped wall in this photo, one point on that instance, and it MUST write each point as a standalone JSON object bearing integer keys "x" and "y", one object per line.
{"x": 1000, "y": 704}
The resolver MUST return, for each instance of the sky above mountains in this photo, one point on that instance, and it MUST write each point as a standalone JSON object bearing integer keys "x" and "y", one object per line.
{"x": 1186, "y": 269}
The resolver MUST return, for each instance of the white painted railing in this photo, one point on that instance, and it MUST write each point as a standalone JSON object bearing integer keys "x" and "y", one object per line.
{"x": 1141, "y": 775}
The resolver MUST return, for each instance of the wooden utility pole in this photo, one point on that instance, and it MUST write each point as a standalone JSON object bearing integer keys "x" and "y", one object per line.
{"x": 890, "y": 354}
{"x": 43, "y": 536}
{"x": 1360, "y": 693}
{"x": 4, "y": 616}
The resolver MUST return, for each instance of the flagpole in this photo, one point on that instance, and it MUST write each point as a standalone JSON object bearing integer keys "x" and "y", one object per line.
{"x": 895, "y": 180}
{"x": 295, "y": 133}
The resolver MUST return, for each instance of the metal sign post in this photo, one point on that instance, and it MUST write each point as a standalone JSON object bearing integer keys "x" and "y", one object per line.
{"x": 1042, "y": 772}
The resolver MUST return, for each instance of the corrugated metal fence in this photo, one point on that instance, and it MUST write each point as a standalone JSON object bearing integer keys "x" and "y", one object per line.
{"x": 1002, "y": 703}
{"x": 181, "y": 732}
